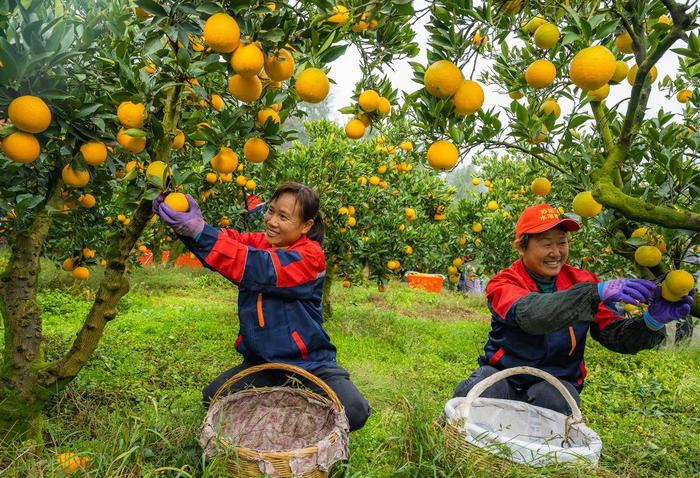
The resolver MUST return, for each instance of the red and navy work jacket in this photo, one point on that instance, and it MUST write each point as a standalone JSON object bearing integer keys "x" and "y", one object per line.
{"x": 279, "y": 298}
{"x": 559, "y": 353}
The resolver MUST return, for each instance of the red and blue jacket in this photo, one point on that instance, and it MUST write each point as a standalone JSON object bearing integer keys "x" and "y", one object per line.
{"x": 279, "y": 298}
{"x": 560, "y": 352}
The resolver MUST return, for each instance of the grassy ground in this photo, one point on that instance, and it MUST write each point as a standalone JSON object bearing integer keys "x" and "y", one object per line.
{"x": 135, "y": 409}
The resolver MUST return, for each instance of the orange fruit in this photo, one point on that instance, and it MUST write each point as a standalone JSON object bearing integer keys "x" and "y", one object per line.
{"x": 157, "y": 169}
{"x": 592, "y": 67}
{"x": 443, "y": 154}
{"x": 241, "y": 180}
{"x": 340, "y": 15}
{"x": 312, "y": 85}
{"x": 355, "y": 129}
{"x": 94, "y": 153}
{"x": 540, "y": 73}
{"x": 81, "y": 273}
{"x": 368, "y": 100}
{"x": 676, "y": 285}
{"x": 624, "y": 43}
{"x": 247, "y": 60}
{"x": 68, "y": 264}
{"x": 534, "y": 23}
{"x": 540, "y": 186}
{"x": 442, "y": 79}
{"x": 211, "y": 178}
{"x": 384, "y": 106}
{"x": 550, "y": 106}
{"x": 225, "y": 161}
{"x": 217, "y": 102}
{"x": 87, "y": 200}
{"x": 179, "y": 140}
{"x": 256, "y": 150}
{"x": 546, "y": 36}
{"x": 647, "y": 256}
{"x": 177, "y": 201}
{"x": 684, "y": 95}
{"x": 264, "y": 115}
{"x": 131, "y": 115}
{"x": 585, "y": 206}
{"x": 21, "y": 147}
{"x": 600, "y": 94}
{"x": 621, "y": 70}
{"x": 76, "y": 179}
{"x": 221, "y": 33}
{"x": 279, "y": 66}
{"x": 245, "y": 88}
{"x": 468, "y": 98}
{"x": 250, "y": 185}
{"x": 29, "y": 114}
{"x": 131, "y": 143}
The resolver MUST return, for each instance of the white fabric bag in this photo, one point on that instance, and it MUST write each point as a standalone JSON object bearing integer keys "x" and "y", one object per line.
{"x": 522, "y": 432}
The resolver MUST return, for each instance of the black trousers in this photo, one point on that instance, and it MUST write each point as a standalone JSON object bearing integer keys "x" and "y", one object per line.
{"x": 541, "y": 393}
{"x": 356, "y": 406}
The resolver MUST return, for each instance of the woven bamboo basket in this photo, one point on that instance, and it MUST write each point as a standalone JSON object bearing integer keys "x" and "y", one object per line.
{"x": 460, "y": 450}
{"x": 243, "y": 462}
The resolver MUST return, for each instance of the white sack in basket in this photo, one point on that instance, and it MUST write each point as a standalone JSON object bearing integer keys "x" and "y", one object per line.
{"x": 522, "y": 432}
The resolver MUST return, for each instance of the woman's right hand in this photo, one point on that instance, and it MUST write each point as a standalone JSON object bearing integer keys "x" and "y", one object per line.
{"x": 629, "y": 291}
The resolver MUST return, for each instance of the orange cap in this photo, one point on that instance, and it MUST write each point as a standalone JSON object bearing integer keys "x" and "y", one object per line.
{"x": 541, "y": 218}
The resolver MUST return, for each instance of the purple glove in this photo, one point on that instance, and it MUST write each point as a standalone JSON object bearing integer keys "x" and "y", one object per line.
{"x": 630, "y": 291}
{"x": 188, "y": 224}
{"x": 661, "y": 311}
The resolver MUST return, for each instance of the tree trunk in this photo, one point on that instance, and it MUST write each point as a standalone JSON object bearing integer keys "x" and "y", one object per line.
{"x": 26, "y": 382}
{"x": 330, "y": 275}
{"x": 22, "y": 399}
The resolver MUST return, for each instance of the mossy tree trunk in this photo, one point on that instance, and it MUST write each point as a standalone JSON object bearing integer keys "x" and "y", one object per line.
{"x": 21, "y": 396}
{"x": 26, "y": 381}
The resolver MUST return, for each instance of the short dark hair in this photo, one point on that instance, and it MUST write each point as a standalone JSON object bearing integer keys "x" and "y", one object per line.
{"x": 309, "y": 206}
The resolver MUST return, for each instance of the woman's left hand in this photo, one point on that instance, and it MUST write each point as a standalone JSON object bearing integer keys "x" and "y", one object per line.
{"x": 188, "y": 224}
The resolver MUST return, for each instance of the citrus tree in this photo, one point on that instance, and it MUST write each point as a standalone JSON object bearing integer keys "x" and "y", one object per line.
{"x": 558, "y": 61}
{"x": 384, "y": 212}
{"x": 106, "y": 105}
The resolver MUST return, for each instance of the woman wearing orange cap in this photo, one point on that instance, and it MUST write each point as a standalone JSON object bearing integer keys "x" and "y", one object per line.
{"x": 542, "y": 309}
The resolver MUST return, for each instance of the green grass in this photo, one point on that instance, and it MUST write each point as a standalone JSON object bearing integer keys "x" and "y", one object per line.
{"x": 135, "y": 409}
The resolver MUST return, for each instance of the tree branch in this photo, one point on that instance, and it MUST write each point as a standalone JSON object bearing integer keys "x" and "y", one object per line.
{"x": 605, "y": 192}
{"x": 530, "y": 152}
{"x": 633, "y": 117}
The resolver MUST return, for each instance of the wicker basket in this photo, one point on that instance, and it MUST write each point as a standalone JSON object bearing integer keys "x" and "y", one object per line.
{"x": 245, "y": 462}
{"x": 498, "y": 444}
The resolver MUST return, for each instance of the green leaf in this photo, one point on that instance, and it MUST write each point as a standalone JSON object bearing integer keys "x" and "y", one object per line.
{"x": 151, "y": 193}
{"x": 135, "y": 133}
{"x": 333, "y": 53}
{"x": 152, "y": 7}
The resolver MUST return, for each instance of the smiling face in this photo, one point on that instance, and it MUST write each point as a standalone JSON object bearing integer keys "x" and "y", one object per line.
{"x": 546, "y": 252}
{"x": 283, "y": 221}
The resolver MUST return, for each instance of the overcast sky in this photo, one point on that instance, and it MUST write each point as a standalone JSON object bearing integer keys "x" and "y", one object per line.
{"x": 346, "y": 74}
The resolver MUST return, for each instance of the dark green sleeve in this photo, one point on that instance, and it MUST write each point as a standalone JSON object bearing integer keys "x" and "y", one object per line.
{"x": 628, "y": 336}
{"x": 539, "y": 314}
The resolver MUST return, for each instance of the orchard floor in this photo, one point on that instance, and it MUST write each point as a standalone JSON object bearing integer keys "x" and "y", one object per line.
{"x": 135, "y": 409}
